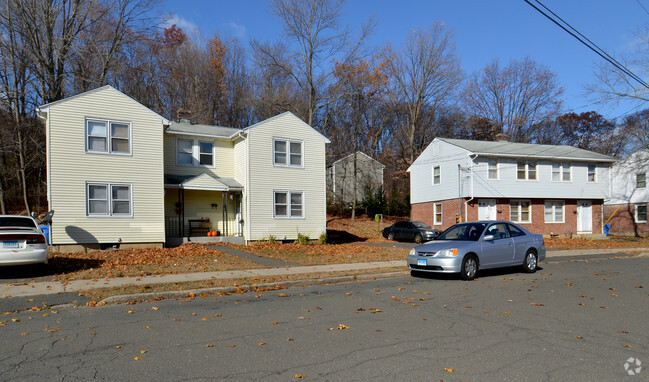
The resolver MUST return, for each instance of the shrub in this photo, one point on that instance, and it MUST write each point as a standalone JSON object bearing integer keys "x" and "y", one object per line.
{"x": 302, "y": 239}
{"x": 270, "y": 239}
{"x": 322, "y": 240}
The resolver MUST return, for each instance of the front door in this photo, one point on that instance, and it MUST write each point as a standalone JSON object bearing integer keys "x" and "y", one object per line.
{"x": 487, "y": 209}
{"x": 584, "y": 216}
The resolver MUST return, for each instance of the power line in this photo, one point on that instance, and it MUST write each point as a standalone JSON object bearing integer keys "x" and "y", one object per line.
{"x": 589, "y": 44}
{"x": 643, "y": 7}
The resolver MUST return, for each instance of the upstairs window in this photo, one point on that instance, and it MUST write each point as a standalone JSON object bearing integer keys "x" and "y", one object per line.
{"x": 592, "y": 174}
{"x": 640, "y": 181}
{"x": 287, "y": 152}
{"x": 110, "y": 137}
{"x": 191, "y": 152}
{"x": 492, "y": 169}
{"x": 437, "y": 176}
{"x": 561, "y": 172}
{"x": 526, "y": 170}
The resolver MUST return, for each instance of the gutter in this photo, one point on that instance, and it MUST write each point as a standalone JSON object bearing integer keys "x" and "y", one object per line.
{"x": 466, "y": 203}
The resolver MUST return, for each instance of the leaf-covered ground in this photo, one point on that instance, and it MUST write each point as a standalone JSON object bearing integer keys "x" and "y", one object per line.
{"x": 346, "y": 245}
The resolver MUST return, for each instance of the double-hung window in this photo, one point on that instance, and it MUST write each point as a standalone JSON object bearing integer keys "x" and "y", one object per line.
{"x": 641, "y": 213}
{"x": 109, "y": 199}
{"x": 592, "y": 174}
{"x": 110, "y": 137}
{"x": 438, "y": 213}
{"x": 191, "y": 152}
{"x": 554, "y": 211}
{"x": 520, "y": 211}
{"x": 437, "y": 175}
{"x": 640, "y": 181}
{"x": 289, "y": 204}
{"x": 526, "y": 170}
{"x": 288, "y": 152}
{"x": 560, "y": 172}
{"x": 492, "y": 165}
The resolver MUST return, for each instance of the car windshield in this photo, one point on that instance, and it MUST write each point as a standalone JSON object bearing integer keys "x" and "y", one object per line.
{"x": 16, "y": 222}
{"x": 465, "y": 231}
{"x": 421, "y": 225}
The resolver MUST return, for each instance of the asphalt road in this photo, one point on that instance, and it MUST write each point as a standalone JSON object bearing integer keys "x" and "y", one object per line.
{"x": 576, "y": 319}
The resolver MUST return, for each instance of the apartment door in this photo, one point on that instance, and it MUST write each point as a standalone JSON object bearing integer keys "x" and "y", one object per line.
{"x": 487, "y": 209}
{"x": 584, "y": 216}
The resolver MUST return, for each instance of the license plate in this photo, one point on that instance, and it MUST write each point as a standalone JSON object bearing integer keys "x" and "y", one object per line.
{"x": 421, "y": 262}
{"x": 10, "y": 244}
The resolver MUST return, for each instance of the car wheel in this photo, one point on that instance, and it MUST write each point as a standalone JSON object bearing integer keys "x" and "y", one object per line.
{"x": 469, "y": 267}
{"x": 418, "y": 238}
{"x": 530, "y": 262}
{"x": 390, "y": 236}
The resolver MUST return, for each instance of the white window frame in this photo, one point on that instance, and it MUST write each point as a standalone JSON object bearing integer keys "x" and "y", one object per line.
{"x": 592, "y": 174}
{"x": 108, "y": 123}
{"x": 492, "y": 165}
{"x": 439, "y": 174}
{"x": 109, "y": 199}
{"x": 530, "y": 167}
{"x": 289, "y": 204}
{"x": 518, "y": 205}
{"x": 287, "y": 154}
{"x": 437, "y": 210}
{"x": 554, "y": 207}
{"x": 636, "y": 216}
{"x": 644, "y": 181}
{"x": 195, "y": 153}
{"x": 562, "y": 171}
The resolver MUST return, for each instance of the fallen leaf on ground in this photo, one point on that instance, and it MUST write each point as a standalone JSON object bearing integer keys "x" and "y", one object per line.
{"x": 449, "y": 370}
{"x": 300, "y": 376}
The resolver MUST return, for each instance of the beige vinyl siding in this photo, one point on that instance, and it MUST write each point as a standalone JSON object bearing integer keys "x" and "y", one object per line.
{"x": 223, "y": 158}
{"x": 264, "y": 179}
{"x": 71, "y": 168}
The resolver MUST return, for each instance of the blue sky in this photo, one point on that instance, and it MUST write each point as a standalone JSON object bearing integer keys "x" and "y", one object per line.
{"x": 484, "y": 30}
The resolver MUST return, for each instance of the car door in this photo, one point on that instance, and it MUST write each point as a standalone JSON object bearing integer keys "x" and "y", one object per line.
{"x": 499, "y": 251}
{"x": 521, "y": 243}
{"x": 399, "y": 229}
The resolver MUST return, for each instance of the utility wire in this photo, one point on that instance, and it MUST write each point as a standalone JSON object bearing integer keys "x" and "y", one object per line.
{"x": 643, "y": 7}
{"x": 599, "y": 51}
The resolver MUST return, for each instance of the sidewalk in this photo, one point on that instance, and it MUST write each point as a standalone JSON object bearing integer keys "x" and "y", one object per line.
{"x": 53, "y": 287}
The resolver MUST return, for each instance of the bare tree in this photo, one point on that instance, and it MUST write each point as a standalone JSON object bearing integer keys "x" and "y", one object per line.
{"x": 425, "y": 74}
{"x": 515, "y": 98}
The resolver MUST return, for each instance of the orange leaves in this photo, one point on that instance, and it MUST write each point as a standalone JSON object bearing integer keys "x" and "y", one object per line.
{"x": 449, "y": 370}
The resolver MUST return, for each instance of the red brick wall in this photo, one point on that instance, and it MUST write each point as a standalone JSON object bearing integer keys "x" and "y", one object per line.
{"x": 622, "y": 223}
{"x": 424, "y": 213}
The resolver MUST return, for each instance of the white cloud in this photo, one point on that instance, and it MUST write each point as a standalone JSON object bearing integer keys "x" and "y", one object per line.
{"x": 189, "y": 28}
{"x": 237, "y": 30}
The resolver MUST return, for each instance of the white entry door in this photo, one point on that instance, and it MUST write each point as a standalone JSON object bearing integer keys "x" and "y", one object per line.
{"x": 487, "y": 209}
{"x": 584, "y": 216}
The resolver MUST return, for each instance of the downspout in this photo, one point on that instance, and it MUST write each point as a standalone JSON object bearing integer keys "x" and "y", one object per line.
{"x": 246, "y": 220}
{"x": 48, "y": 169}
{"x": 466, "y": 203}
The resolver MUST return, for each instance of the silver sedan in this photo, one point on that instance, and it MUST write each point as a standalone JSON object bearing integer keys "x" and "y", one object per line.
{"x": 466, "y": 247}
{"x": 21, "y": 241}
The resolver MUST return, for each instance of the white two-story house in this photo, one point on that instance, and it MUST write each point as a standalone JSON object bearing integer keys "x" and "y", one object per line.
{"x": 121, "y": 175}
{"x": 553, "y": 190}
{"x": 626, "y": 209}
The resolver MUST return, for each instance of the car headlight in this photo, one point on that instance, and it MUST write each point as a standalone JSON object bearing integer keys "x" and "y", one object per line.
{"x": 412, "y": 252}
{"x": 447, "y": 253}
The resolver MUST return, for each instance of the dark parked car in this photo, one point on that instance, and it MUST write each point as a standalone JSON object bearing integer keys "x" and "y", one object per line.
{"x": 410, "y": 231}
{"x": 467, "y": 247}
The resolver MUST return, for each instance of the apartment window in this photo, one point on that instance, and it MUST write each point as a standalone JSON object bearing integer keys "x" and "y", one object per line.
{"x": 493, "y": 169}
{"x": 591, "y": 173}
{"x": 640, "y": 181}
{"x": 192, "y": 152}
{"x": 554, "y": 211}
{"x": 520, "y": 211}
{"x": 106, "y": 199}
{"x": 561, "y": 172}
{"x": 641, "y": 213}
{"x": 438, "y": 213}
{"x": 437, "y": 177}
{"x": 526, "y": 170}
{"x": 109, "y": 137}
{"x": 287, "y": 152}
{"x": 289, "y": 204}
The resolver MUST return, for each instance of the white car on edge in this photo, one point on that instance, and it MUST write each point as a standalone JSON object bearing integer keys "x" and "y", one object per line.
{"x": 467, "y": 247}
{"x": 21, "y": 241}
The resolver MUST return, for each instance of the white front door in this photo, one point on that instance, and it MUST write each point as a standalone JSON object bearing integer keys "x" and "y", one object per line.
{"x": 487, "y": 209}
{"x": 584, "y": 216}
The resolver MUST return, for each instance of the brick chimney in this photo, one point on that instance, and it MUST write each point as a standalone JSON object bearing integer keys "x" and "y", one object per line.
{"x": 184, "y": 116}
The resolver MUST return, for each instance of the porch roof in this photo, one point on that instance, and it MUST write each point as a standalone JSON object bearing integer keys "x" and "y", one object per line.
{"x": 202, "y": 182}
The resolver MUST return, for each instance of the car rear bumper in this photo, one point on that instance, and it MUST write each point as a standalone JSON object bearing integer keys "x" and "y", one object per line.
{"x": 435, "y": 264}
{"x": 24, "y": 256}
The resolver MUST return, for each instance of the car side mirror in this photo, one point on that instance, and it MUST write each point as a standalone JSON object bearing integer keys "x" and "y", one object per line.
{"x": 488, "y": 238}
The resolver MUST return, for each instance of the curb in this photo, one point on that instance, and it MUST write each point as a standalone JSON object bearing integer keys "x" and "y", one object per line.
{"x": 245, "y": 288}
